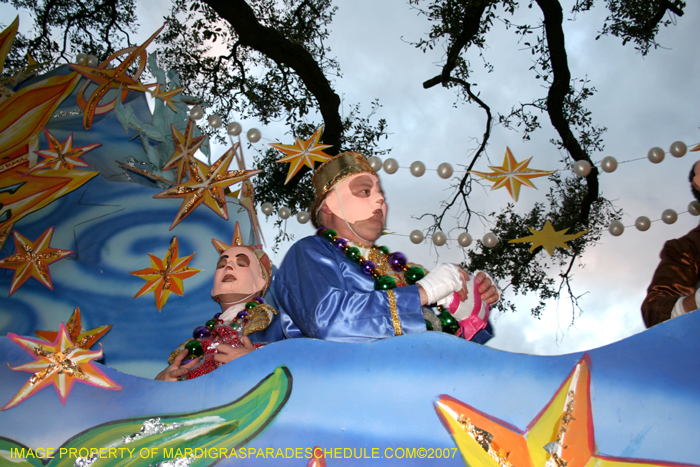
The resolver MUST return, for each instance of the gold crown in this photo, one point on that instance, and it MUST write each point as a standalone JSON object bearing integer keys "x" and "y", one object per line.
{"x": 334, "y": 171}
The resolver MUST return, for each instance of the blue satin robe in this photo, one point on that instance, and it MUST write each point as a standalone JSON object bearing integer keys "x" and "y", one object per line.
{"x": 322, "y": 294}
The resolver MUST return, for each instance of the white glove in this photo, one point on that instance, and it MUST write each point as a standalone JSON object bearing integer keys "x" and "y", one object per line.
{"x": 442, "y": 282}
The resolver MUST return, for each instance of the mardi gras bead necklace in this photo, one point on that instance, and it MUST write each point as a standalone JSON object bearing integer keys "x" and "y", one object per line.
{"x": 397, "y": 261}
{"x": 256, "y": 316}
{"x": 407, "y": 274}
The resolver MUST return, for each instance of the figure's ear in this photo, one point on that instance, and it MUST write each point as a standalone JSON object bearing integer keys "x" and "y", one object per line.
{"x": 326, "y": 209}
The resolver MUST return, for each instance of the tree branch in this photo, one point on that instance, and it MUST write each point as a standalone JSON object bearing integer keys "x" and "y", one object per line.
{"x": 274, "y": 45}
{"x": 556, "y": 96}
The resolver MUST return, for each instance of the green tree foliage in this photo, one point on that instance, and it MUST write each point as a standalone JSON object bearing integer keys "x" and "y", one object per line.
{"x": 462, "y": 25}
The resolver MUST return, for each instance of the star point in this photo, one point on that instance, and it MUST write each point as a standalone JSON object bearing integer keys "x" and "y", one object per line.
{"x": 59, "y": 363}
{"x": 303, "y": 152}
{"x": 32, "y": 259}
{"x": 512, "y": 174}
{"x": 206, "y": 185}
{"x": 560, "y": 435}
{"x": 166, "y": 275}
{"x": 83, "y": 339}
{"x": 548, "y": 238}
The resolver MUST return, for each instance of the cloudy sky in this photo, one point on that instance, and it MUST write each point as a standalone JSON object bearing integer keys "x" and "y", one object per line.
{"x": 643, "y": 101}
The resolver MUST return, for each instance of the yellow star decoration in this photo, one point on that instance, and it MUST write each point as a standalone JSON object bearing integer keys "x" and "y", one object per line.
{"x": 83, "y": 339}
{"x": 512, "y": 174}
{"x": 111, "y": 78}
{"x": 186, "y": 146}
{"x": 60, "y": 363}
{"x": 206, "y": 185}
{"x": 62, "y": 155}
{"x": 303, "y": 153}
{"x": 165, "y": 96}
{"x": 166, "y": 275}
{"x": 560, "y": 436}
{"x": 548, "y": 238}
{"x": 32, "y": 259}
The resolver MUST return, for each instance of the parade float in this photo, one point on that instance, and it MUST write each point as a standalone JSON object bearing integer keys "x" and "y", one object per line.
{"x": 100, "y": 193}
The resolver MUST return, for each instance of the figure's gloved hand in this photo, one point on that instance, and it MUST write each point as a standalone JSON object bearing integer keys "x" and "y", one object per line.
{"x": 443, "y": 281}
{"x": 472, "y": 313}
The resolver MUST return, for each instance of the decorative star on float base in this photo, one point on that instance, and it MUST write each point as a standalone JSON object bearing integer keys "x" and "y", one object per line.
{"x": 303, "y": 153}
{"x": 206, "y": 185}
{"x": 74, "y": 326}
{"x": 32, "y": 259}
{"x": 166, "y": 275}
{"x": 560, "y": 436}
{"x": 548, "y": 238}
{"x": 59, "y": 363}
{"x": 512, "y": 174}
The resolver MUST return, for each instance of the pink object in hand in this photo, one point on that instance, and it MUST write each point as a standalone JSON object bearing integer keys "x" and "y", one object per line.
{"x": 472, "y": 314}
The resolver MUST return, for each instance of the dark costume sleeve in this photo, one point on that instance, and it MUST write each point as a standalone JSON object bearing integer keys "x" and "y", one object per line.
{"x": 322, "y": 294}
{"x": 676, "y": 276}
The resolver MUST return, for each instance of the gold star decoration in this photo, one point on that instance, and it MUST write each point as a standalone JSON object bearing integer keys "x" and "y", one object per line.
{"x": 166, "y": 275}
{"x": 59, "y": 363}
{"x": 74, "y": 326}
{"x": 32, "y": 259}
{"x": 62, "y": 155}
{"x": 111, "y": 78}
{"x": 548, "y": 238}
{"x": 206, "y": 185}
{"x": 512, "y": 174}
{"x": 303, "y": 153}
{"x": 560, "y": 436}
{"x": 186, "y": 146}
{"x": 165, "y": 96}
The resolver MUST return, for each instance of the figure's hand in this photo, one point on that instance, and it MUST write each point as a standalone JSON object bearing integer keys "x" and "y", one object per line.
{"x": 226, "y": 353}
{"x": 176, "y": 370}
{"x": 463, "y": 293}
{"x": 489, "y": 292}
{"x": 443, "y": 281}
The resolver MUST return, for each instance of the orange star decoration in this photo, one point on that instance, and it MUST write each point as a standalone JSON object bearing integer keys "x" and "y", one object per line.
{"x": 166, "y": 275}
{"x": 165, "y": 96}
{"x": 83, "y": 339}
{"x": 512, "y": 174}
{"x": 62, "y": 155}
{"x": 561, "y": 435}
{"x": 186, "y": 146}
{"x": 548, "y": 238}
{"x": 303, "y": 153}
{"x": 32, "y": 259}
{"x": 59, "y": 363}
{"x": 111, "y": 78}
{"x": 206, "y": 185}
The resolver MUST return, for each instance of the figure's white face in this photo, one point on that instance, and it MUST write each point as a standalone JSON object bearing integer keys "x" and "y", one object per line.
{"x": 361, "y": 198}
{"x": 237, "y": 272}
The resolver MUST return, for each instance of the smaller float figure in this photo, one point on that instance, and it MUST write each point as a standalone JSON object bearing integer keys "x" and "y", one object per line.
{"x": 243, "y": 275}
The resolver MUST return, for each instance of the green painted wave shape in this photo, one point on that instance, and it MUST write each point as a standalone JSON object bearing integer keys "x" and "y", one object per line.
{"x": 206, "y": 434}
